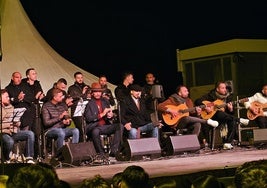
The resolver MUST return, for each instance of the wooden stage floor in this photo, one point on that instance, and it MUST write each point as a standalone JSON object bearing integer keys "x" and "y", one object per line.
{"x": 186, "y": 163}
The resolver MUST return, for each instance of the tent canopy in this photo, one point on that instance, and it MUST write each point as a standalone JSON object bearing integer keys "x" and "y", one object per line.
{"x": 23, "y": 47}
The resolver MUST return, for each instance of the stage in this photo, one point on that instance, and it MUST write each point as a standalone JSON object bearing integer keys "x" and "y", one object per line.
{"x": 175, "y": 165}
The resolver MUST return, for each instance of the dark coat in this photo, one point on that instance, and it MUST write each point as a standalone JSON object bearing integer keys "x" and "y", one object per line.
{"x": 130, "y": 112}
{"x": 91, "y": 113}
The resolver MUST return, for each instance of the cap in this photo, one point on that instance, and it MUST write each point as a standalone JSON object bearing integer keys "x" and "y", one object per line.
{"x": 136, "y": 87}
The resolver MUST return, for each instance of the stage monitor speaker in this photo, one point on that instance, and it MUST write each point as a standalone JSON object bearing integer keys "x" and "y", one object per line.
{"x": 260, "y": 135}
{"x": 157, "y": 91}
{"x": 184, "y": 143}
{"x": 144, "y": 147}
{"x": 77, "y": 153}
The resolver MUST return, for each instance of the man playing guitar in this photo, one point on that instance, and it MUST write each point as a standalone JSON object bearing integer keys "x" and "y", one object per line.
{"x": 183, "y": 120}
{"x": 257, "y": 105}
{"x": 225, "y": 114}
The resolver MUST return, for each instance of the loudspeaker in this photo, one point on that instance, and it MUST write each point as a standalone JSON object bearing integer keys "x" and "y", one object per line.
{"x": 136, "y": 149}
{"x": 184, "y": 143}
{"x": 157, "y": 91}
{"x": 77, "y": 153}
{"x": 260, "y": 135}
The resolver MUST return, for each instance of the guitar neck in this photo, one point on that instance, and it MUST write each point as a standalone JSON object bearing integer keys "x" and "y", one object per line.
{"x": 234, "y": 102}
{"x": 191, "y": 109}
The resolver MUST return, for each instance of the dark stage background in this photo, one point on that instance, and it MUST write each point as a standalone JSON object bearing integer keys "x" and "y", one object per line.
{"x": 113, "y": 37}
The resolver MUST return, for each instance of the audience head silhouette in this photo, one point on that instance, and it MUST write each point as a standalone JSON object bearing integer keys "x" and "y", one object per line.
{"x": 134, "y": 176}
{"x": 96, "y": 182}
{"x": 35, "y": 176}
{"x": 251, "y": 174}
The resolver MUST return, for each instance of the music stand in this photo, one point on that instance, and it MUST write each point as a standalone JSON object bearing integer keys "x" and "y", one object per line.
{"x": 79, "y": 111}
{"x": 14, "y": 117}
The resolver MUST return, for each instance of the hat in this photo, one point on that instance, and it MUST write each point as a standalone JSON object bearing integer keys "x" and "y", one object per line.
{"x": 96, "y": 87}
{"x": 136, "y": 87}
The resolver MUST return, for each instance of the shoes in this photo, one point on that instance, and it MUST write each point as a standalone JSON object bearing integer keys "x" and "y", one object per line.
{"x": 212, "y": 123}
{"x": 100, "y": 159}
{"x": 112, "y": 160}
{"x": 7, "y": 162}
{"x": 227, "y": 146}
{"x": 111, "y": 154}
{"x": 29, "y": 160}
{"x": 244, "y": 121}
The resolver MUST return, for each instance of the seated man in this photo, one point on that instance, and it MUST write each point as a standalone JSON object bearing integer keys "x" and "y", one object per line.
{"x": 56, "y": 119}
{"x": 256, "y": 106}
{"x": 98, "y": 116}
{"x": 134, "y": 115}
{"x": 181, "y": 112}
{"x": 219, "y": 106}
{"x": 10, "y": 133}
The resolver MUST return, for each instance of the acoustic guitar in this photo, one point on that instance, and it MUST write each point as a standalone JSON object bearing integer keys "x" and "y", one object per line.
{"x": 260, "y": 109}
{"x": 217, "y": 105}
{"x": 182, "y": 110}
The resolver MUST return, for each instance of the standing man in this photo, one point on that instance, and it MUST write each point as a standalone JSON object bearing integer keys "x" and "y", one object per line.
{"x": 10, "y": 130}
{"x": 122, "y": 90}
{"x": 78, "y": 92}
{"x": 33, "y": 94}
{"x": 134, "y": 115}
{"x": 148, "y": 95}
{"x": 56, "y": 119}
{"x": 99, "y": 116}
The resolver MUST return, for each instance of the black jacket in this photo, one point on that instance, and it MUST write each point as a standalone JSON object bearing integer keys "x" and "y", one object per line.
{"x": 130, "y": 112}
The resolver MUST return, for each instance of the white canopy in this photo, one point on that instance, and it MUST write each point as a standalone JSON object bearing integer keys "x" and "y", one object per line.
{"x": 23, "y": 47}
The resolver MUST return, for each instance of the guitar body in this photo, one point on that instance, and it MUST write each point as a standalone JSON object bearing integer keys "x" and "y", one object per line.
{"x": 215, "y": 105}
{"x": 260, "y": 108}
{"x": 171, "y": 121}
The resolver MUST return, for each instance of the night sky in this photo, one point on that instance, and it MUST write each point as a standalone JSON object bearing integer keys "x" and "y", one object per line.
{"x": 112, "y": 37}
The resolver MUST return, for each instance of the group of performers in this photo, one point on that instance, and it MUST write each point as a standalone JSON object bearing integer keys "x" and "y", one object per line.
{"x": 94, "y": 112}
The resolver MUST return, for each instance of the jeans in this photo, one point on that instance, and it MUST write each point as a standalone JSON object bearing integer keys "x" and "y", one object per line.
{"x": 148, "y": 128}
{"x": 8, "y": 142}
{"x": 231, "y": 121}
{"x": 61, "y": 133}
{"x": 191, "y": 123}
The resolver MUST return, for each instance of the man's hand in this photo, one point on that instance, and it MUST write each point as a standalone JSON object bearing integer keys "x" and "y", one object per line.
{"x": 198, "y": 110}
{"x": 85, "y": 88}
{"x": 230, "y": 106}
{"x": 67, "y": 121}
{"x": 69, "y": 101}
{"x": 21, "y": 96}
{"x": 208, "y": 109}
{"x": 39, "y": 95}
{"x": 128, "y": 126}
{"x": 254, "y": 110}
{"x": 105, "y": 111}
{"x": 64, "y": 114}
